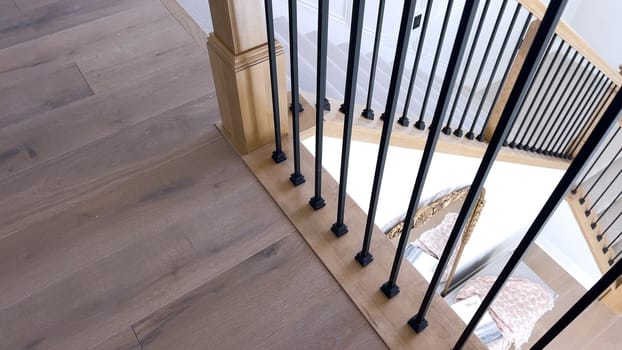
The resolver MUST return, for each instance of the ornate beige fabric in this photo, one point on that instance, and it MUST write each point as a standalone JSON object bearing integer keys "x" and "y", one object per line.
{"x": 433, "y": 241}
{"x": 517, "y": 308}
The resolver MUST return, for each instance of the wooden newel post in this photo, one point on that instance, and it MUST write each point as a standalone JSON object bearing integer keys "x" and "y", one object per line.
{"x": 238, "y": 53}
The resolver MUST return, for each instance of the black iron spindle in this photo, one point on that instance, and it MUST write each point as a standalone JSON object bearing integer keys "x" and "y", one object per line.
{"x": 545, "y": 80}
{"x": 519, "y": 40}
{"x": 551, "y": 92}
{"x": 606, "y": 248}
{"x": 403, "y": 120}
{"x": 278, "y": 155}
{"x": 317, "y": 202}
{"x": 583, "y": 115}
{"x": 602, "y": 173}
{"x": 588, "y": 212}
{"x": 600, "y": 236}
{"x": 591, "y": 144}
{"x": 551, "y": 122}
{"x": 592, "y": 117}
{"x": 364, "y": 257}
{"x": 567, "y": 117}
{"x": 296, "y": 177}
{"x": 602, "y": 151}
{"x": 447, "y": 129}
{"x": 613, "y": 260}
{"x": 391, "y": 288}
{"x": 368, "y": 112}
{"x": 420, "y": 124}
{"x": 517, "y": 95}
{"x": 586, "y": 300}
{"x": 601, "y": 215}
{"x": 508, "y": 33}
{"x": 480, "y": 71}
{"x": 527, "y": 115}
{"x": 339, "y": 228}
{"x": 480, "y": 137}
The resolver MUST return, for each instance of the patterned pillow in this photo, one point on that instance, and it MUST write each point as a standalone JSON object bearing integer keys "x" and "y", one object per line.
{"x": 433, "y": 241}
{"x": 517, "y": 308}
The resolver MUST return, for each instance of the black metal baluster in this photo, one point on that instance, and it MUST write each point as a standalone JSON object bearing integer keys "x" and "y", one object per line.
{"x": 541, "y": 117}
{"x": 364, "y": 257}
{"x": 296, "y": 178}
{"x": 548, "y": 117}
{"x": 278, "y": 155}
{"x": 588, "y": 298}
{"x": 583, "y": 115}
{"x": 568, "y": 117}
{"x": 591, "y": 144}
{"x": 480, "y": 137}
{"x": 613, "y": 260}
{"x": 601, "y": 215}
{"x": 404, "y": 121}
{"x": 519, "y": 40}
{"x": 606, "y": 249}
{"x": 339, "y": 228}
{"x": 391, "y": 288}
{"x": 543, "y": 82}
{"x": 517, "y": 95}
{"x": 420, "y": 124}
{"x": 600, "y": 236}
{"x": 447, "y": 129}
{"x": 549, "y": 122}
{"x": 317, "y": 202}
{"x": 602, "y": 151}
{"x": 480, "y": 71}
{"x": 602, "y": 173}
{"x": 589, "y": 114}
{"x": 513, "y": 144}
{"x": 578, "y": 106}
{"x": 589, "y": 211}
{"x": 368, "y": 112}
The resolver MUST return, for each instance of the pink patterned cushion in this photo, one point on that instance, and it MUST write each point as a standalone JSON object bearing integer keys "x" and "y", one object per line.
{"x": 517, "y": 308}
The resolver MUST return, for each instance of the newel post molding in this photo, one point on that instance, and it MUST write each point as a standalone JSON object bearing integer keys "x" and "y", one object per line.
{"x": 238, "y": 52}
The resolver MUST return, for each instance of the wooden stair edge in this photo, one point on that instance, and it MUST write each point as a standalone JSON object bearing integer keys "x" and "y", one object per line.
{"x": 387, "y": 317}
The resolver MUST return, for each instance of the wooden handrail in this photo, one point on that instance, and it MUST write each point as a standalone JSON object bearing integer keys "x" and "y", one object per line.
{"x": 537, "y": 8}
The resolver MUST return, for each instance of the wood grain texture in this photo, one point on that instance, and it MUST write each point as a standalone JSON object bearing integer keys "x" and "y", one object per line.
{"x": 32, "y": 96}
{"x": 9, "y": 10}
{"x": 388, "y": 317}
{"x": 299, "y": 306}
{"x": 124, "y": 340}
{"x": 239, "y": 24}
{"x": 134, "y": 249}
{"x": 56, "y": 16}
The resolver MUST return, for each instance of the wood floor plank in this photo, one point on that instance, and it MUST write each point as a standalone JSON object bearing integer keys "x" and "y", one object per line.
{"x": 55, "y": 17}
{"x": 9, "y": 10}
{"x": 59, "y": 131}
{"x": 106, "y": 263}
{"x": 52, "y": 186}
{"x": 609, "y": 339}
{"x": 111, "y": 76}
{"x": 281, "y": 298}
{"x": 55, "y": 88}
{"x": 125, "y": 340}
{"x": 86, "y": 40}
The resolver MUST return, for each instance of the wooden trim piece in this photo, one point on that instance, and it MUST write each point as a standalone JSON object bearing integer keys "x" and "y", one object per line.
{"x": 244, "y": 60}
{"x": 508, "y": 84}
{"x": 388, "y": 317}
{"x": 239, "y": 24}
{"x": 187, "y": 22}
{"x": 537, "y": 8}
{"x": 596, "y": 247}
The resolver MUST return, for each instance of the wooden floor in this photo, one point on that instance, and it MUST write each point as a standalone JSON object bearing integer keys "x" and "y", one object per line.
{"x": 127, "y": 221}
